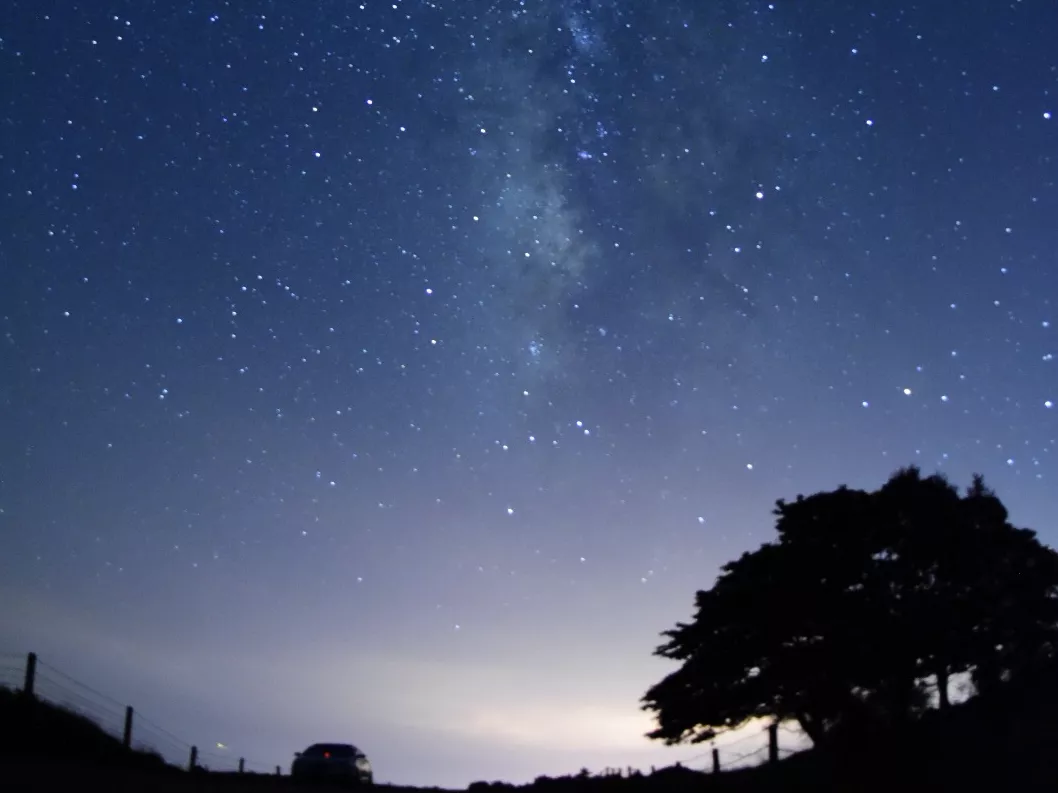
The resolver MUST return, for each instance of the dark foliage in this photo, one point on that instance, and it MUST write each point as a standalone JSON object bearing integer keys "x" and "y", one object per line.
{"x": 842, "y": 623}
{"x": 865, "y": 602}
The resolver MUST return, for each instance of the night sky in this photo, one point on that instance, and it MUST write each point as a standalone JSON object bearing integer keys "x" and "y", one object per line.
{"x": 394, "y": 372}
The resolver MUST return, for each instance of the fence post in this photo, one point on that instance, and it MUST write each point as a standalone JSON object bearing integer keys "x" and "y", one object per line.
{"x": 279, "y": 771}
{"x": 773, "y": 743}
{"x": 242, "y": 764}
{"x": 31, "y": 675}
{"x": 716, "y": 760}
{"x": 126, "y": 737}
{"x": 192, "y": 761}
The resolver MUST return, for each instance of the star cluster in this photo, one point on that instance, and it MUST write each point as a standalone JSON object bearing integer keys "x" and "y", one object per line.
{"x": 394, "y": 372}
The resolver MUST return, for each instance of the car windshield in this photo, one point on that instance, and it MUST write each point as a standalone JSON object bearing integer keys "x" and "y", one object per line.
{"x": 336, "y": 750}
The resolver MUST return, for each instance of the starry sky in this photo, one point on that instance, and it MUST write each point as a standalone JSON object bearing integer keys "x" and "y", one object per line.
{"x": 394, "y": 372}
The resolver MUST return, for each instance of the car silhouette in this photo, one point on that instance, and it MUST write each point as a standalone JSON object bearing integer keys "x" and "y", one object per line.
{"x": 333, "y": 762}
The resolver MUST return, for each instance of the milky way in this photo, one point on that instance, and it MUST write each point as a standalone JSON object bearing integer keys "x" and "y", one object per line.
{"x": 395, "y": 372}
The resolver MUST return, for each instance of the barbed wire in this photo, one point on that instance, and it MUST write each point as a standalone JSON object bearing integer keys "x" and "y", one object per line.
{"x": 148, "y": 736}
{"x": 223, "y": 762}
{"x": 11, "y": 676}
{"x": 215, "y": 761}
{"x": 722, "y": 746}
{"x": 146, "y": 740}
{"x": 730, "y": 761}
{"x": 107, "y": 718}
{"x": 73, "y": 681}
{"x": 55, "y": 686}
{"x": 61, "y": 689}
{"x": 728, "y": 744}
{"x": 733, "y": 763}
{"x": 697, "y": 757}
{"x": 150, "y": 726}
{"x": 742, "y": 756}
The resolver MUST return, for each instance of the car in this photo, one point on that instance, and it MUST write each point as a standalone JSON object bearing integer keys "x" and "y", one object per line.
{"x": 333, "y": 762}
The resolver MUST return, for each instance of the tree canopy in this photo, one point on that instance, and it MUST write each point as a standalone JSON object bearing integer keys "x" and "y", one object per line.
{"x": 864, "y": 604}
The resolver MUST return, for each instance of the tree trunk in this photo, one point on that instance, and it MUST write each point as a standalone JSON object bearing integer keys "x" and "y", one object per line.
{"x": 943, "y": 678}
{"x": 986, "y": 678}
{"x": 811, "y": 728}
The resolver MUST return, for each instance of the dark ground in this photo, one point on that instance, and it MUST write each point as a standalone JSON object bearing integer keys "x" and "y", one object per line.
{"x": 29, "y": 776}
{"x": 986, "y": 745}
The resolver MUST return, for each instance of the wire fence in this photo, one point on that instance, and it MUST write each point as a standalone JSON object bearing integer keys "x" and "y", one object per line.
{"x": 12, "y": 670}
{"x": 117, "y": 719}
{"x": 52, "y": 685}
{"x": 750, "y": 749}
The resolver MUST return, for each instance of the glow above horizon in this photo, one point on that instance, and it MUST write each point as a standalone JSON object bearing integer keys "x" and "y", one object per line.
{"x": 394, "y": 375}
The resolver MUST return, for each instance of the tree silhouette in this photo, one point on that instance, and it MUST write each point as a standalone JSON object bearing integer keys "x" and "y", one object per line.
{"x": 865, "y": 602}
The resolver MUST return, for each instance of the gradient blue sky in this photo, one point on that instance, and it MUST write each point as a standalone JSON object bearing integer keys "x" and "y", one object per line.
{"x": 395, "y": 372}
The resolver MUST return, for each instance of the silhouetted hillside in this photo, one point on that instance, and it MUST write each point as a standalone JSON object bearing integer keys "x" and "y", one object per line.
{"x": 1006, "y": 741}
{"x": 33, "y": 728}
{"x": 45, "y": 748}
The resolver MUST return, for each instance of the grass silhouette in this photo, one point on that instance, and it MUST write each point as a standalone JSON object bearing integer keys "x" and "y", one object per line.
{"x": 1007, "y": 742}
{"x": 36, "y": 729}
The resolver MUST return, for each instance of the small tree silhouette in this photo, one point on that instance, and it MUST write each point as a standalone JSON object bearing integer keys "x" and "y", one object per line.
{"x": 864, "y": 600}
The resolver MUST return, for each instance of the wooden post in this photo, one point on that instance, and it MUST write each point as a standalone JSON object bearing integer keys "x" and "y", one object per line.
{"x": 716, "y": 761}
{"x": 126, "y": 737}
{"x": 31, "y": 675}
{"x": 773, "y": 743}
{"x": 279, "y": 771}
{"x": 192, "y": 761}
{"x": 242, "y": 765}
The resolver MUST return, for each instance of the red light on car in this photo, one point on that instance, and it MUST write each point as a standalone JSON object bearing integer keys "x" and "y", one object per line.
{"x": 326, "y": 755}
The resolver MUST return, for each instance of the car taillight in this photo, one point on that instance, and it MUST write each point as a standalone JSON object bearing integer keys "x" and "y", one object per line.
{"x": 326, "y": 755}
